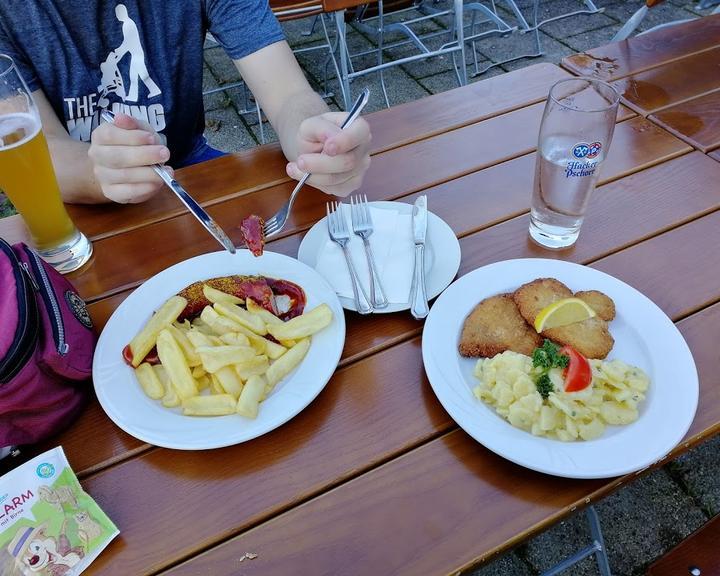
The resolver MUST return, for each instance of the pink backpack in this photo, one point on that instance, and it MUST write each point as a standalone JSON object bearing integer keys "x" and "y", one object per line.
{"x": 46, "y": 348}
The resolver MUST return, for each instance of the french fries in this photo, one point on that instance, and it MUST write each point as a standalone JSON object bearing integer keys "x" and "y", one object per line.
{"x": 172, "y": 357}
{"x": 147, "y": 337}
{"x": 215, "y": 357}
{"x": 215, "y": 296}
{"x": 187, "y": 348}
{"x": 216, "y": 405}
{"x": 287, "y": 362}
{"x": 225, "y": 361}
{"x": 149, "y": 381}
{"x": 304, "y": 325}
{"x": 267, "y": 317}
{"x": 249, "y": 400}
{"x": 241, "y": 316}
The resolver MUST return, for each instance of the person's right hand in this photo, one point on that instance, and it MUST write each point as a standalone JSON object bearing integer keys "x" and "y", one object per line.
{"x": 122, "y": 155}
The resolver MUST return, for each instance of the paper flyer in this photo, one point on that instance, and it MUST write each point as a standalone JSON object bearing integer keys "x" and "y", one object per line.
{"x": 49, "y": 526}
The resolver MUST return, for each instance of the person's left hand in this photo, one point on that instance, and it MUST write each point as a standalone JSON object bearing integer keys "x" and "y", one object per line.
{"x": 336, "y": 159}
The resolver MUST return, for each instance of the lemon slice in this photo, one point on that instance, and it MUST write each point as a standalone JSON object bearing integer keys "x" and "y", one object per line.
{"x": 563, "y": 312}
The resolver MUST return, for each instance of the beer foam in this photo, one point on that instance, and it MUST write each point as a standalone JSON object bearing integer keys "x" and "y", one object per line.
{"x": 17, "y": 129}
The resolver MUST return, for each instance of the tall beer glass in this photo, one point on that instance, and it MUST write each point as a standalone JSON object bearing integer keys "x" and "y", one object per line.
{"x": 575, "y": 134}
{"x": 28, "y": 179}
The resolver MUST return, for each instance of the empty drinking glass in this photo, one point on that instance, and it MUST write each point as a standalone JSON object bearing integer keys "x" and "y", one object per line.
{"x": 575, "y": 135}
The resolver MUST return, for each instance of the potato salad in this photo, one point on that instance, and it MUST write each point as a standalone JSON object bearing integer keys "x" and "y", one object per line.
{"x": 537, "y": 400}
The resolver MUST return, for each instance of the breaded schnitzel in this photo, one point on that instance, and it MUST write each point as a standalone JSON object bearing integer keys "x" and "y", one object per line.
{"x": 590, "y": 337}
{"x": 602, "y": 304}
{"x": 494, "y": 326}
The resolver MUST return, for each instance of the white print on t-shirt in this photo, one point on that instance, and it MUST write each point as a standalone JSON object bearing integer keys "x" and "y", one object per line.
{"x": 83, "y": 113}
{"x": 111, "y": 80}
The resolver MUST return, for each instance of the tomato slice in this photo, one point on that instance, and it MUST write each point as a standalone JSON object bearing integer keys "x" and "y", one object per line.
{"x": 578, "y": 374}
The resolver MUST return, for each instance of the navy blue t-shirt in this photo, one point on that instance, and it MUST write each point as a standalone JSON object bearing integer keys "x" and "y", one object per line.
{"x": 140, "y": 57}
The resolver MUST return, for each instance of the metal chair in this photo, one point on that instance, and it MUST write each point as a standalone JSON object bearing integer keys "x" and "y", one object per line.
{"x": 636, "y": 19}
{"x": 377, "y": 28}
{"x": 534, "y": 27}
{"x": 286, "y": 10}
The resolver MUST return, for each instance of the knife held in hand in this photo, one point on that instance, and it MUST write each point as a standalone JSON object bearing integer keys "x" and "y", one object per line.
{"x": 418, "y": 295}
{"x": 195, "y": 209}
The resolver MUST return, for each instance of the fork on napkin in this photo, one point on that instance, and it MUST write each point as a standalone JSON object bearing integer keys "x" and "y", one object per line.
{"x": 392, "y": 245}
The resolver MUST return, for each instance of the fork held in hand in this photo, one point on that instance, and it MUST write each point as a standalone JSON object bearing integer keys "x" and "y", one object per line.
{"x": 362, "y": 226}
{"x": 276, "y": 223}
{"x": 338, "y": 230}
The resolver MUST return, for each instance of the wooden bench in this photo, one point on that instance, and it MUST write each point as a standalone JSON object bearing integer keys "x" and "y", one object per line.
{"x": 697, "y": 555}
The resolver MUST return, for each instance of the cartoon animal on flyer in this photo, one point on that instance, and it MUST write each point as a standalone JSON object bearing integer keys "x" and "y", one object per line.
{"x": 56, "y": 497}
{"x": 37, "y": 554}
{"x": 87, "y": 528}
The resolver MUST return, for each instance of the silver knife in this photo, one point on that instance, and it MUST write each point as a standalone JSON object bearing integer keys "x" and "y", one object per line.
{"x": 195, "y": 208}
{"x": 418, "y": 295}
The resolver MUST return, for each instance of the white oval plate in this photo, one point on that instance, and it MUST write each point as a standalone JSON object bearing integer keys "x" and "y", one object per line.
{"x": 644, "y": 336}
{"x": 442, "y": 254}
{"x": 125, "y": 403}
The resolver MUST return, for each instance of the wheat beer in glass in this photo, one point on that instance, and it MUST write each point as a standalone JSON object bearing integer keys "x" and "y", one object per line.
{"x": 28, "y": 179}
{"x": 575, "y": 134}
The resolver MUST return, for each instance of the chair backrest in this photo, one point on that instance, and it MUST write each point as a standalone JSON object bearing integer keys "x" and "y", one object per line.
{"x": 285, "y": 10}
{"x": 335, "y": 5}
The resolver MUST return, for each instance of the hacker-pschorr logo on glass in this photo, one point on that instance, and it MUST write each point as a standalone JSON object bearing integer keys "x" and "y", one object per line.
{"x": 123, "y": 76}
{"x": 585, "y": 165}
{"x": 588, "y": 151}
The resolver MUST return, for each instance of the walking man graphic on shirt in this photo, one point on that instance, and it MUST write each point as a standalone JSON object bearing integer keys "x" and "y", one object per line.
{"x": 138, "y": 70}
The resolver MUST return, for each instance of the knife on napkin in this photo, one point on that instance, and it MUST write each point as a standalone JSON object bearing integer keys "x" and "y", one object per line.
{"x": 418, "y": 295}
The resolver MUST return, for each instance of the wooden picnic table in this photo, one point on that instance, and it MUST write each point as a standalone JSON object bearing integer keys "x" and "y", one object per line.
{"x": 671, "y": 76}
{"x": 374, "y": 477}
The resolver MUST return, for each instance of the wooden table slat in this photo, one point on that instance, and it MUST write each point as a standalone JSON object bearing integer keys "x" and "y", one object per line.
{"x": 696, "y": 121}
{"x": 453, "y": 109}
{"x": 453, "y": 154}
{"x": 671, "y": 84}
{"x": 638, "y": 53}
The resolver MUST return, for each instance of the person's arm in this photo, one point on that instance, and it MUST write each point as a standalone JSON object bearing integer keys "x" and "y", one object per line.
{"x": 113, "y": 167}
{"x": 309, "y": 133}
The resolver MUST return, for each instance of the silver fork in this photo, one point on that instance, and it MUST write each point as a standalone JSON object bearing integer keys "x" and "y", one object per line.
{"x": 363, "y": 227}
{"x": 276, "y": 223}
{"x": 338, "y": 230}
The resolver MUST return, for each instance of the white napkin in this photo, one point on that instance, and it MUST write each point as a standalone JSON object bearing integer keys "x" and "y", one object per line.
{"x": 394, "y": 250}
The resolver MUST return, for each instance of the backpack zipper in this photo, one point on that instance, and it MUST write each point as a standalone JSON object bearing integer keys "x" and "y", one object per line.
{"x": 24, "y": 343}
{"x": 51, "y": 303}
